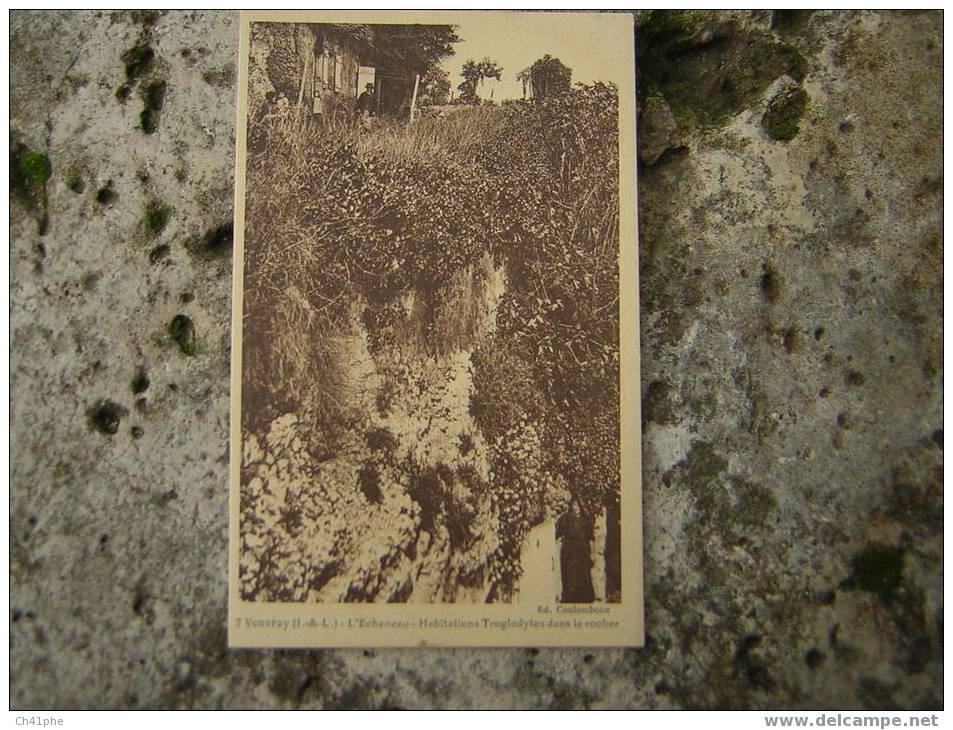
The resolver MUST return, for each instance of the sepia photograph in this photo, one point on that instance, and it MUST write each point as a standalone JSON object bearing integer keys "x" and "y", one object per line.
{"x": 430, "y": 325}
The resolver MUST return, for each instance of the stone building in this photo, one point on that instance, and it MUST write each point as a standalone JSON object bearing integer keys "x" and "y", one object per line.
{"x": 322, "y": 67}
{"x": 314, "y": 66}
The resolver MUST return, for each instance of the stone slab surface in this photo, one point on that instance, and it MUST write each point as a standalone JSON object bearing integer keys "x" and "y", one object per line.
{"x": 791, "y": 243}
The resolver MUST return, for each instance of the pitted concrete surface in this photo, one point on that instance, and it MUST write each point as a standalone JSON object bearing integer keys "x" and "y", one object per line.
{"x": 791, "y": 245}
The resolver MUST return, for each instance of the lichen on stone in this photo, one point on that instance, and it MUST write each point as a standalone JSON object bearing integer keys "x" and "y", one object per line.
{"x": 138, "y": 60}
{"x": 878, "y": 569}
{"x": 707, "y": 66}
{"x": 105, "y": 415}
{"x": 157, "y": 218}
{"x": 182, "y": 331}
{"x": 152, "y": 92}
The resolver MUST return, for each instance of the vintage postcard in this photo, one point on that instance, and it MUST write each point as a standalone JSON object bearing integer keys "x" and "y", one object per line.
{"x": 435, "y": 371}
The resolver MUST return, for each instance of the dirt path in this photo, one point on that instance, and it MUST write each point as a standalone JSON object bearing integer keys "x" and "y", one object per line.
{"x": 540, "y": 581}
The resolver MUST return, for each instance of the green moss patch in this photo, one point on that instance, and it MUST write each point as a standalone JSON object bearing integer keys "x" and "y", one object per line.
{"x": 139, "y": 60}
{"x": 754, "y": 503}
{"x": 700, "y": 468}
{"x": 140, "y": 384}
{"x": 709, "y": 69}
{"x": 146, "y": 18}
{"x": 159, "y": 253}
{"x": 855, "y": 378}
{"x": 223, "y": 77}
{"x": 791, "y": 21}
{"x": 770, "y": 283}
{"x": 157, "y": 218}
{"x": 152, "y": 92}
{"x": 782, "y": 119}
{"x": 725, "y": 502}
{"x": 657, "y": 405}
{"x": 215, "y": 243}
{"x": 105, "y": 417}
{"x": 29, "y": 172}
{"x": 878, "y": 569}
{"x": 182, "y": 331}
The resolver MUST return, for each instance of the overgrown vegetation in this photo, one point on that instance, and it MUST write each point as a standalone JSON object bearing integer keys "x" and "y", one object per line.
{"x": 353, "y": 215}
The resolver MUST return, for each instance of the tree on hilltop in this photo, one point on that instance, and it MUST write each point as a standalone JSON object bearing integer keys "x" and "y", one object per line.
{"x": 473, "y": 73}
{"x": 546, "y": 77}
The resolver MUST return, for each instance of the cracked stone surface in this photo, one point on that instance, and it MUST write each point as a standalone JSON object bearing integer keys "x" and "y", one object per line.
{"x": 792, "y": 379}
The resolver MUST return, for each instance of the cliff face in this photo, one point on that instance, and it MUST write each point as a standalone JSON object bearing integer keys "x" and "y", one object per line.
{"x": 401, "y": 497}
{"x": 396, "y": 498}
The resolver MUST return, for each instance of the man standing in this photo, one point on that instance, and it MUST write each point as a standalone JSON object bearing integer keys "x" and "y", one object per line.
{"x": 366, "y": 104}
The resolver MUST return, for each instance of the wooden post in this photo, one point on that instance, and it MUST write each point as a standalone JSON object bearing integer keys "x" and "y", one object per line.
{"x": 413, "y": 99}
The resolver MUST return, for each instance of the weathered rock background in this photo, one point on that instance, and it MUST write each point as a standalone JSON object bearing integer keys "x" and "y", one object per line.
{"x": 791, "y": 243}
